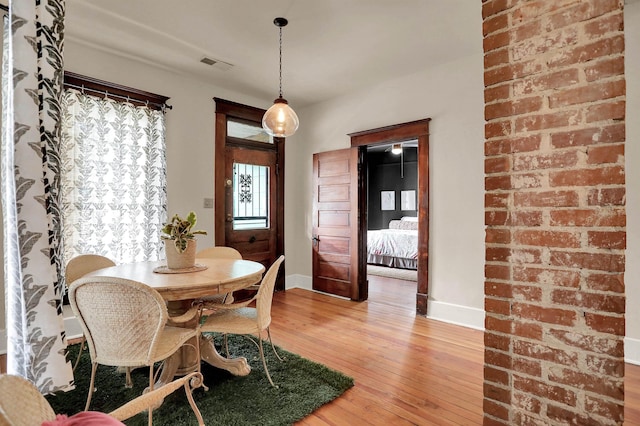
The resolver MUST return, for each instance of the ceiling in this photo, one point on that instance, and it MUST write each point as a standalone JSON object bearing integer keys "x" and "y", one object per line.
{"x": 330, "y": 47}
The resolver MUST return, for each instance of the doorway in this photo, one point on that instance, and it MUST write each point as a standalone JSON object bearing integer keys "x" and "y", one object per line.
{"x": 249, "y": 185}
{"x": 417, "y": 131}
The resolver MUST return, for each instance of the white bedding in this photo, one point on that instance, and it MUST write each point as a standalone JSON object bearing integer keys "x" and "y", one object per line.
{"x": 397, "y": 248}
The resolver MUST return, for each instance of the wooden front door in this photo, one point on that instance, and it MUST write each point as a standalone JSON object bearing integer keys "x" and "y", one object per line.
{"x": 250, "y": 200}
{"x": 335, "y": 224}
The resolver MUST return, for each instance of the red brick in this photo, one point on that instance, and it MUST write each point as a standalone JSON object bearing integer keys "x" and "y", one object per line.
{"x": 545, "y": 82}
{"x": 496, "y": 41}
{"x": 607, "y": 239}
{"x": 546, "y": 199}
{"x": 546, "y": 42}
{"x": 607, "y": 197}
{"x": 604, "y": 25}
{"x": 587, "y": 52}
{"x": 495, "y": 409}
{"x": 526, "y": 31}
{"x": 494, "y": 7}
{"x": 564, "y": 416}
{"x": 492, "y": 183}
{"x": 536, "y": 122}
{"x": 498, "y": 75}
{"x": 526, "y": 402}
{"x": 612, "y": 110}
{"x": 581, "y": 12}
{"x": 527, "y": 180}
{"x": 494, "y": 130}
{"x": 497, "y": 254}
{"x": 605, "y": 154}
{"x": 587, "y": 94}
{"x": 595, "y": 135}
{"x": 513, "y": 145}
{"x": 528, "y": 255}
{"x": 594, "y": 301}
{"x": 530, "y": 367}
{"x": 545, "y": 161}
{"x": 547, "y": 238}
{"x": 605, "y": 408}
{"x": 605, "y": 323}
{"x": 604, "y": 68}
{"x": 496, "y": 200}
{"x": 544, "y": 314}
{"x": 497, "y": 393}
{"x": 496, "y": 218}
{"x": 496, "y": 341}
{"x": 543, "y": 352}
{"x": 511, "y": 108}
{"x": 589, "y": 343}
{"x": 534, "y": 9}
{"x": 495, "y": 23}
{"x": 613, "y": 282}
{"x": 497, "y": 324}
{"x": 496, "y": 306}
{"x": 498, "y": 272}
{"x": 605, "y": 365}
{"x": 520, "y": 218}
{"x": 497, "y": 165}
{"x": 593, "y": 261}
{"x": 609, "y": 175}
{"x": 496, "y": 375}
{"x": 496, "y": 93}
{"x": 526, "y": 68}
{"x": 494, "y": 289}
{"x": 548, "y": 277}
{"x": 544, "y": 390}
{"x": 497, "y": 236}
{"x": 491, "y": 421}
{"x": 588, "y": 217}
{"x": 527, "y": 330}
{"x": 527, "y": 293}
{"x": 601, "y": 385}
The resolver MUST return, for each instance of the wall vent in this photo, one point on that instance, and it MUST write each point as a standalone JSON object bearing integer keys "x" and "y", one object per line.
{"x": 223, "y": 66}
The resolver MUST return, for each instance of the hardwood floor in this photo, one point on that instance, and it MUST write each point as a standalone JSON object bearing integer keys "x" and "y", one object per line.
{"x": 408, "y": 370}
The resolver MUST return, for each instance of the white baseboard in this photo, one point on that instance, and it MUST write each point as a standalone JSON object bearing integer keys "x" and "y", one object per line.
{"x": 456, "y": 314}
{"x": 632, "y": 350}
{"x": 298, "y": 281}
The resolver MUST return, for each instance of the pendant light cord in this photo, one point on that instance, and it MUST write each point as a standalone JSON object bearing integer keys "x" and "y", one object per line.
{"x": 280, "y": 61}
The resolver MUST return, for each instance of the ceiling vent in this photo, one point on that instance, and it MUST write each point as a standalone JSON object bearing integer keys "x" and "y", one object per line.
{"x": 215, "y": 63}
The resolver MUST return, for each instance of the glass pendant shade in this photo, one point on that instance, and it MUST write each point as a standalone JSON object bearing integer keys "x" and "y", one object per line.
{"x": 280, "y": 120}
{"x": 396, "y": 149}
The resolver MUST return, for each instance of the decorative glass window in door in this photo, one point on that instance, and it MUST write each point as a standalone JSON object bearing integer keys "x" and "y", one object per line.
{"x": 250, "y": 196}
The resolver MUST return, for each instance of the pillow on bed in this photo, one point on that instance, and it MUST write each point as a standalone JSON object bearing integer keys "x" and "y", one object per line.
{"x": 409, "y": 219}
{"x": 406, "y": 225}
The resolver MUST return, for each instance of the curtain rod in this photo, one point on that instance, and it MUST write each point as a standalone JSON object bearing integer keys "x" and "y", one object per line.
{"x": 106, "y": 93}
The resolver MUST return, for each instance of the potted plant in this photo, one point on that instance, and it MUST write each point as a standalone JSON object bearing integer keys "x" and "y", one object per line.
{"x": 179, "y": 241}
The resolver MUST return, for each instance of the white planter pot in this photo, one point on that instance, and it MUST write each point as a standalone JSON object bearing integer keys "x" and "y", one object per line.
{"x": 183, "y": 260}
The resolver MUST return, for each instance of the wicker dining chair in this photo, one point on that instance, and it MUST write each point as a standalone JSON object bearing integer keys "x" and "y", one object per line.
{"x": 80, "y": 266}
{"x": 219, "y": 252}
{"x": 125, "y": 323}
{"x": 239, "y": 318}
{"x": 21, "y": 404}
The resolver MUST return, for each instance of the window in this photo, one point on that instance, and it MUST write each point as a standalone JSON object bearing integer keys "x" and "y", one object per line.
{"x": 113, "y": 174}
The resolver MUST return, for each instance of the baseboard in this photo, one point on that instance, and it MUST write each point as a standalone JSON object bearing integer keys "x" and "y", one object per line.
{"x": 632, "y": 350}
{"x": 456, "y": 314}
{"x": 298, "y": 281}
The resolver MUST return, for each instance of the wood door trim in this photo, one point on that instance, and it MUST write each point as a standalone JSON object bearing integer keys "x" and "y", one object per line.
{"x": 396, "y": 133}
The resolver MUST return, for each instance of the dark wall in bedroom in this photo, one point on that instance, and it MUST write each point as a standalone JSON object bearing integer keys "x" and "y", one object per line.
{"x": 384, "y": 174}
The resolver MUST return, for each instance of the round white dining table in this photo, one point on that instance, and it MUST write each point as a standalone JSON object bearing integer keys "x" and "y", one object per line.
{"x": 180, "y": 289}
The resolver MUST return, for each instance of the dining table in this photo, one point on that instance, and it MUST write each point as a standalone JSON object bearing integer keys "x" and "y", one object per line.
{"x": 180, "y": 288}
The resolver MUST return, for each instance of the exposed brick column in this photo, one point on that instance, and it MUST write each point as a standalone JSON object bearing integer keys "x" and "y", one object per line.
{"x": 554, "y": 210}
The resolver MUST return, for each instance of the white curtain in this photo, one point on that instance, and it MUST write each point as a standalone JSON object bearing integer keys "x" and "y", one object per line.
{"x": 32, "y": 89}
{"x": 113, "y": 178}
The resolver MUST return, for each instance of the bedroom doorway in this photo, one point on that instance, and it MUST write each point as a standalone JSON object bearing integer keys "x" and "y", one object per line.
{"x": 414, "y": 133}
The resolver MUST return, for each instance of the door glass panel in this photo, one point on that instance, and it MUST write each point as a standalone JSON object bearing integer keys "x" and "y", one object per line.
{"x": 248, "y": 131}
{"x": 250, "y": 196}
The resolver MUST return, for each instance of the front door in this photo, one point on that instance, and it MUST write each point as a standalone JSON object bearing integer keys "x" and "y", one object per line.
{"x": 250, "y": 196}
{"x": 335, "y": 224}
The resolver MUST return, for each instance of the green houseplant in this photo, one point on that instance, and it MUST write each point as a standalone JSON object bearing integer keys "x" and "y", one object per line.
{"x": 180, "y": 243}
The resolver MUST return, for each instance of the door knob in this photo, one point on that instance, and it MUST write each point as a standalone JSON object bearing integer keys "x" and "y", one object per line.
{"x": 252, "y": 239}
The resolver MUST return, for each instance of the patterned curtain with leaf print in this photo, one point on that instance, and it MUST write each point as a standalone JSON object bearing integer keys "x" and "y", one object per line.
{"x": 32, "y": 88}
{"x": 113, "y": 178}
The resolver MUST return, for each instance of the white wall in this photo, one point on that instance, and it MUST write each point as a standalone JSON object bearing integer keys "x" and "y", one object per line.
{"x": 632, "y": 158}
{"x": 452, "y": 96}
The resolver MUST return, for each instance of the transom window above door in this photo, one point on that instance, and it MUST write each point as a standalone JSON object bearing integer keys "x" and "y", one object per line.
{"x": 248, "y": 131}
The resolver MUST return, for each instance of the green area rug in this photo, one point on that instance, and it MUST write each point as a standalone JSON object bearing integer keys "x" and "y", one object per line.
{"x": 303, "y": 386}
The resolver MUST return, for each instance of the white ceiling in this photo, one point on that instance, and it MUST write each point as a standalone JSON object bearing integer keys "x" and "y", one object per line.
{"x": 329, "y": 47}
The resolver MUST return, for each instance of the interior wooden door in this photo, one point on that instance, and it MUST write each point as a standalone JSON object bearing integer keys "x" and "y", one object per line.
{"x": 335, "y": 223}
{"x": 250, "y": 193}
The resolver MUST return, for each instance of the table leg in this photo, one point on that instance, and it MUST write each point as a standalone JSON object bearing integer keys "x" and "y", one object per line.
{"x": 208, "y": 353}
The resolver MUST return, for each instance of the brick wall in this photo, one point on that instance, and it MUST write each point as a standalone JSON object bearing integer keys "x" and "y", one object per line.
{"x": 554, "y": 210}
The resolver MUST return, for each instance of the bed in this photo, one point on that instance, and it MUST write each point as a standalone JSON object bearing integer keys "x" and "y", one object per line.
{"x": 396, "y": 247}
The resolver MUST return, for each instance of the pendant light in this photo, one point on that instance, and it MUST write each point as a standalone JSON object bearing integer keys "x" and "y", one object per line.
{"x": 280, "y": 120}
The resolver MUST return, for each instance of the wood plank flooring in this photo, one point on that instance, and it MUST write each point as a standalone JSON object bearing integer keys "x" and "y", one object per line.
{"x": 408, "y": 370}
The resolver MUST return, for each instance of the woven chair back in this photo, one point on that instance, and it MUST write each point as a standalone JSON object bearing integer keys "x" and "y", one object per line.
{"x": 21, "y": 403}
{"x": 219, "y": 252}
{"x": 264, "y": 298}
{"x": 81, "y": 265}
{"x": 121, "y": 319}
